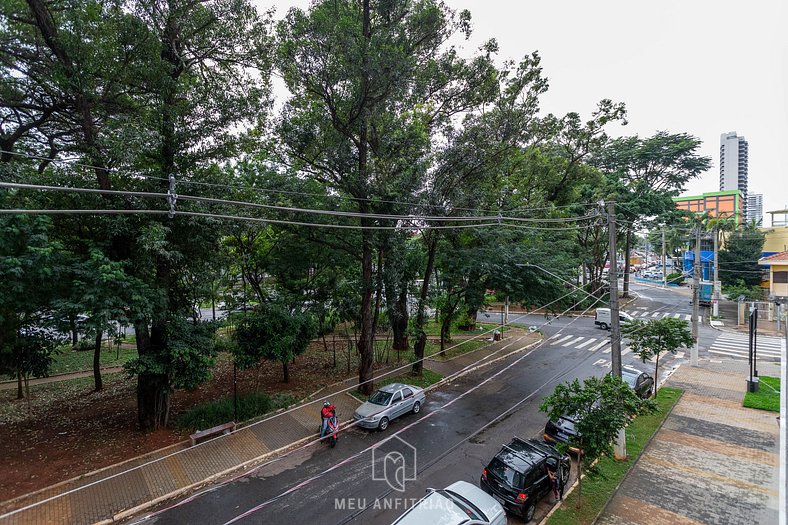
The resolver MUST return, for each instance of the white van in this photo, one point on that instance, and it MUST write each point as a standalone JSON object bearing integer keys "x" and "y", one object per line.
{"x": 602, "y": 318}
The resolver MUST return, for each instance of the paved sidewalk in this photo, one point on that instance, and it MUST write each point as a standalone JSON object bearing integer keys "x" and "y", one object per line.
{"x": 712, "y": 462}
{"x": 112, "y": 493}
{"x": 12, "y": 385}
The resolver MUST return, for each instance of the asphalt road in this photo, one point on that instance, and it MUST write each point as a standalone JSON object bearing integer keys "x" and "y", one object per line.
{"x": 336, "y": 486}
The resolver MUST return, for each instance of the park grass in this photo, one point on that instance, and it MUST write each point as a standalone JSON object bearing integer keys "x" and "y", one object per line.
{"x": 69, "y": 361}
{"x": 598, "y": 489}
{"x": 767, "y": 397}
{"x": 427, "y": 378}
{"x": 220, "y": 411}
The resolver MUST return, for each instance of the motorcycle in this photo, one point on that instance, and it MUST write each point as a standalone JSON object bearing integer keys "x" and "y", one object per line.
{"x": 332, "y": 430}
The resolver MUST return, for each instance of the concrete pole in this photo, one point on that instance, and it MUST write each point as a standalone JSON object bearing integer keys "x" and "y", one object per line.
{"x": 716, "y": 302}
{"x": 615, "y": 329}
{"x": 620, "y": 448}
{"x": 664, "y": 268}
{"x": 695, "y": 298}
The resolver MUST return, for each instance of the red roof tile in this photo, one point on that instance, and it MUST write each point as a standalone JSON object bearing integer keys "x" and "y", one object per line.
{"x": 777, "y": 257}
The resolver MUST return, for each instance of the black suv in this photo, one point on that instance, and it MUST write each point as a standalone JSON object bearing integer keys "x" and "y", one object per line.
{"x": 517, "y": 475}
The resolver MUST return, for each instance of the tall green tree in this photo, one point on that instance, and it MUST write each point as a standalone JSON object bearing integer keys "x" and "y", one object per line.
{"x": 643, "y": 174}
{"x": 739, "y": 259}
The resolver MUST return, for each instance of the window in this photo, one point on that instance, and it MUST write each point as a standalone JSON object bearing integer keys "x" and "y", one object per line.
{"x": 397, "y": 398}
{"x": 780, "y": 277}
{"x": 407, "y": 392}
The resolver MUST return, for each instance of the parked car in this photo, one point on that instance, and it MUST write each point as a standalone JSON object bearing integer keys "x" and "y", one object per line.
{"x": 459, "y": 503}
{"x": 517, "y": 475}
{"x": 561, "y": 430}
{"x": 389, "y": 402}
{"x": 602, "y": 318}
{"x": 640, "y": 382}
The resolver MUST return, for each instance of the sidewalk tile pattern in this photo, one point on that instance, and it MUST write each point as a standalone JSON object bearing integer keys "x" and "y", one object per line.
{"x": 712, "y": 462}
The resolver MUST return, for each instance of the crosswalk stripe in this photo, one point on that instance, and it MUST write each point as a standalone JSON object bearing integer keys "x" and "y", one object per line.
{"x": 563, "y": 339}
{"x": 626, "y": 351}
{"x": 656, "y": 314}
{"x": 582, "y": 345}
{"x": 677, "y": 316}
{"x": 745, "y": 351}
{"x": 607, "y": 350}
{"x": 679, "y": 355}
{"x": 574, "y": 341}
{"x": 687, "y": 317}
{"x": 600, "y": 345}
{"x": 743, "y": 355}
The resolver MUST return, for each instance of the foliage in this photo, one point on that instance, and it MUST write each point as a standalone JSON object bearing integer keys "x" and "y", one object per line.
{"x": 67, "y": 360}
{"x": 274, "y": 333}
{"x": 423, "y": 380}
{"x": 650, "y": 339}
{"x": 738, "y": 288}
{"x": 675, "y": 277}
{"x": 598, "y": 490}
{"x": 600, "y": 408}
{"x": 739, "y": 259}
{"x": 767, "y": 397}
{"x": 219, "y": 411}
{"x": 187, "y": 358}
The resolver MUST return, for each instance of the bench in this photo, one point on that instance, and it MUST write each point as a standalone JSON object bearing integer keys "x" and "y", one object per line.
{"x": 214, "y": 431}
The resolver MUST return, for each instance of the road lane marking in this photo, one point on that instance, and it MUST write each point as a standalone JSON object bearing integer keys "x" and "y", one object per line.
{"x": 559, "y": 341}
{"x": 600, "y": 345}
{"x": 591, "y": 340}
{"x": 570, "y": 343}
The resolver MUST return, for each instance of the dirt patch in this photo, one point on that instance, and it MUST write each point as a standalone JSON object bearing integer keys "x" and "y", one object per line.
{"x": 68, "y": 430}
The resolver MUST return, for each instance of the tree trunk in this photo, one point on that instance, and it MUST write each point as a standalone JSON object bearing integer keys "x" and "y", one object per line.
{"x": 399, "y": 320}
{"x": 421, "y": 337}
{"x": 627, "y": 246}
{"x": 72, "y": 324}
{"x": 285, "y": 371}
{"x": 20, "y": 394}
{"x": 97, "y": 362}
{"x": 153, "y": 392}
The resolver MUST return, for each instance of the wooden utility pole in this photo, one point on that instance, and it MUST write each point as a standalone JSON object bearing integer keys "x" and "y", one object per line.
{"x": 715, "y": 311}
{"x": 695, "y": 298}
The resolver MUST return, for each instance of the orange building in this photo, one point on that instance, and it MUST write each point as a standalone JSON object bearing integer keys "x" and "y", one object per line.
{"x": 716, "y": 204}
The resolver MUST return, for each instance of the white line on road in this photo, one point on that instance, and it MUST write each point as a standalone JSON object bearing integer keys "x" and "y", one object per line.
{"x": 600, "y": 345}
{"x": 559, "y": 341}
{"x": 591, "y": 340}
{"x": 570, "y": 343}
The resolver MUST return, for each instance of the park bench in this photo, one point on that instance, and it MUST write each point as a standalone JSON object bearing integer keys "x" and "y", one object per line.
{"x": 214, "y": 431}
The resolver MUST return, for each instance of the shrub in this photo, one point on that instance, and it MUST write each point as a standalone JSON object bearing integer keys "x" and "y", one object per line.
{"x": 219, "y": 411}
{"x": 738, "y": 289}
{"x": 675, "y": 277}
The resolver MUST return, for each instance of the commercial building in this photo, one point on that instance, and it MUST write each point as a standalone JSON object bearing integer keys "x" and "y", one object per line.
{"x": 727, "y": 203}
{"x": 755, "y": 208}
{"x": 734, "y": 159}
{"x": 778, "y": 274}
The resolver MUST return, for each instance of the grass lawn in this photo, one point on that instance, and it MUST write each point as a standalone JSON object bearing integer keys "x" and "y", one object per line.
{"x": 454, "y": 349}
{"x": 598, "y": 489}
{"x": 70, "y": 361}
{"x": 767, "y": 397}
{"x": 427, "y": 378}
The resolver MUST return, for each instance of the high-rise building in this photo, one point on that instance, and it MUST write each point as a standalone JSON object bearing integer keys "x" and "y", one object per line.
{"x": 733, "y": 163}
{"x": 755, "y": 208}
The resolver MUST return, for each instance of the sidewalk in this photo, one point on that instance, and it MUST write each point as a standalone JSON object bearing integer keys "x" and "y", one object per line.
{"x": 713, "y": 461}
{"x": 125, "y": 489}
{"x": 12, "y": 385}
{"x": 729, "y": 311}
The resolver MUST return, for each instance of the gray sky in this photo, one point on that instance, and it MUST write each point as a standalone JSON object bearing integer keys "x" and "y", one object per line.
{"x": 703, "y": 67}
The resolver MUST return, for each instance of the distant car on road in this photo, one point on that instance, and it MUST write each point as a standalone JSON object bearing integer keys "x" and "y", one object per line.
{"x": 517, "y": 475}
{"x": 389, "y": 402}
{"x": 459, "y": 503}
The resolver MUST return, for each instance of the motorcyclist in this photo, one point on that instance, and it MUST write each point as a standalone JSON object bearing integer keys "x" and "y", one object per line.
{"x": 327, "y": 412}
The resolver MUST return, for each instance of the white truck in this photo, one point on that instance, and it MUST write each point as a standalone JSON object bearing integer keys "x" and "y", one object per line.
{"x": 602, "y": 318}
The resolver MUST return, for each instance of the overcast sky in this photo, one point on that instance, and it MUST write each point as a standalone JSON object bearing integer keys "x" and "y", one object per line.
{"x": 700, "y": 66}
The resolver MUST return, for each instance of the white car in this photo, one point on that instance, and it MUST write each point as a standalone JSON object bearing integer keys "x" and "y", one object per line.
{"x": 459, "y": 503}
{"x": 602, "y": 318}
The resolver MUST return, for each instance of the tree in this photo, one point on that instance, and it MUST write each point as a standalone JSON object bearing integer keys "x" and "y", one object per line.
{"x": 274, "y": 333}
{"x": 644, "y": 174}
{"x": 739, "y": 259}
{"x": 600, "y": 408}
{"x": 650, "y": 339}
{"x": 30, "y": 261}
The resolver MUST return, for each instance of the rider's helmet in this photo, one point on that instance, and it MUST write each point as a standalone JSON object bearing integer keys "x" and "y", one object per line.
{"x": 326, "y": 403}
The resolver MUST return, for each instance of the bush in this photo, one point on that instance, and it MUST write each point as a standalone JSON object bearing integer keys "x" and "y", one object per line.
{"x": 221, "y": 411}
{"x": 736, "y": 290}
{"x": 675, "y": 277}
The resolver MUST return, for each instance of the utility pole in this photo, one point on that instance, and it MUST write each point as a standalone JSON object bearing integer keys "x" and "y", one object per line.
{"x": 664, "y": 268}
{"x": 715, "y": 309}
{"x": 695, "y": 298}
{"x": 615, "y": 332}
{"x": 620, "y": 448}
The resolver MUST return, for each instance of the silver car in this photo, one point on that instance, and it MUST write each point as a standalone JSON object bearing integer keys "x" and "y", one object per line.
{"x": 459, "y": 503}
{"x": 390, "y": 402}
